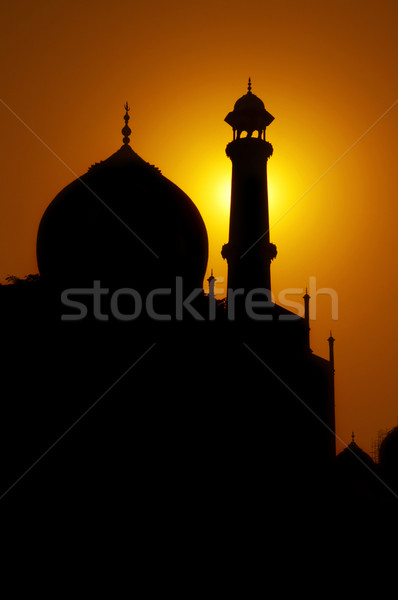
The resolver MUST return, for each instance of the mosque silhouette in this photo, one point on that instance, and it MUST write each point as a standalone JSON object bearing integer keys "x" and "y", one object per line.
{"x": 129, "y": 386}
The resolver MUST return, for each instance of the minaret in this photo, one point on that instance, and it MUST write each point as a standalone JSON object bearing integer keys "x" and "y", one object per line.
{"x": 249, "y": 251}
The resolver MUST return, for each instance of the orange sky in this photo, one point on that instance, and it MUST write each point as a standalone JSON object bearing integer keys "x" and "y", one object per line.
{"x": 327, "y": 71}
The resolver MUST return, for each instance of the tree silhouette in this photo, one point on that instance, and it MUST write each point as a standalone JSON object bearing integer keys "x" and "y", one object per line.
{"x": 32, "y": 277}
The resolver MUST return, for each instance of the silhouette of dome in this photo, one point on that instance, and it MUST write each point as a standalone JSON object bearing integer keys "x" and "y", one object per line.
{"x": 122, "y": 223}
{"x": 354, "y": 458}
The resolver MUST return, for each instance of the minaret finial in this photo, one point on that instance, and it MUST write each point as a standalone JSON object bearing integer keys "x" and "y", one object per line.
{"x": 249, "y": 86}
{"x": 126, "y": 131}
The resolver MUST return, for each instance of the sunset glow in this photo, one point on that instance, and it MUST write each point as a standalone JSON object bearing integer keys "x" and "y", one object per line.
{"x": 327, "y": 72}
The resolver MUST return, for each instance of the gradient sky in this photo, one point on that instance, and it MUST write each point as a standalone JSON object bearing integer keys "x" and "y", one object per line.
{"x": 327, "y": 71}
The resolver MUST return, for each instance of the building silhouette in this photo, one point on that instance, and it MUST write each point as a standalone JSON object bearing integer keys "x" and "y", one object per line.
{"x": 106, "y": 408}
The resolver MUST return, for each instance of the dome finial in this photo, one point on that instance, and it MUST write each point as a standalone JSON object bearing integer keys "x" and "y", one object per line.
{"x": 249, "y": 86}
{"x": 126, "y": 131}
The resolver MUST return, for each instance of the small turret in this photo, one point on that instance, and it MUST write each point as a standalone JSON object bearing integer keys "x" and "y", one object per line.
{"x": 212, "y": 280}
{"x": 249, "y": 115}
{"x": 331, "y": 341}
{"x": 306, "y": 298}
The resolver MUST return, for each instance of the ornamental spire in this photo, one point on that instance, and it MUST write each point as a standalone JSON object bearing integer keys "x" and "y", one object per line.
{"x": 126, "y": 131}
{"x": 249, "y": 86}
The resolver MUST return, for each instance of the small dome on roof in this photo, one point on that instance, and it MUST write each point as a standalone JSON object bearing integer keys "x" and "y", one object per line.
{"x": 354, "y": 458}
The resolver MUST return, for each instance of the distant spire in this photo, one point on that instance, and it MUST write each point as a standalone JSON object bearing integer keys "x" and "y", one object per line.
{"x": 126, "y": 131}
{"x": 212, "y": 280}
{"x": 352, "y": 437}
{"x": 306, "y": 298}
{"x": 331, "y": 341}
{"x": 249, "y": 86}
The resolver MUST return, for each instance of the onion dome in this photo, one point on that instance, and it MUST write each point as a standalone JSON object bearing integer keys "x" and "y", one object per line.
{"x": 125, "y": 224}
